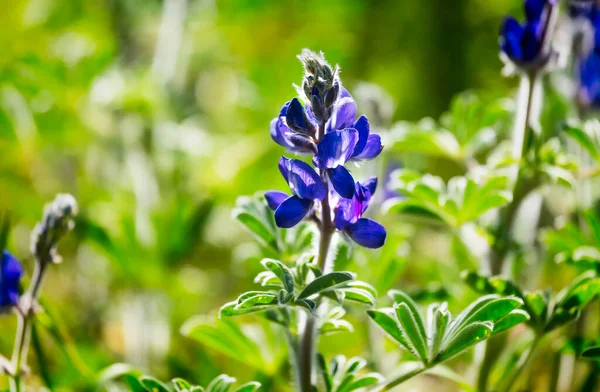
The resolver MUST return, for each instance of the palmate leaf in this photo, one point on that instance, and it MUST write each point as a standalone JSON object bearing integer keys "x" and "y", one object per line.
{"x": 443, "y": 337}
{"x": 282, "y": 272}
{"x": 151, "y": 384}
{"x": 461, "y": 200}
{"x": 257, "y": 218}
{"x": 325, "y": 282}
{"x": 222, "y": 383}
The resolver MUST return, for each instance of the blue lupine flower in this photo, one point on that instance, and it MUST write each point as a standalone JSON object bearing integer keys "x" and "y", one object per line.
{"x": 589, "y": 79}
{"x": 282, "y": 134}
{"x": 306, "y": 187}
{"x": 333, "y": 151}
{"x": 523, "y": 43}
{"x": 10, "y": 276}
{"x": 349, "y": 220}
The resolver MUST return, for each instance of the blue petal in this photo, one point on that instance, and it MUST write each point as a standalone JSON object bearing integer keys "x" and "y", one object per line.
{"x": 344, "y": 93}
{"x": 534, "y": 9}
{"x": 10, "y": 276}
{"x": 372, "y": 148}
{"x": 296, "y": 117}
{"x": 278, "y": 131}
{"x": 363, "y": 128}
{"x": 343, "y": 114}
{"x": 371, "y": 185}
{"x": 530, "y": 42}
{"x": 292, "y": 211}
{"x": 510, "y": 41}
{"x": 342, "y": 181}
{"x": 275, "y": 198}
{"x": 335, "y": 148}
{"x": 302, "y": 179}
{"x": 367, "y": 233}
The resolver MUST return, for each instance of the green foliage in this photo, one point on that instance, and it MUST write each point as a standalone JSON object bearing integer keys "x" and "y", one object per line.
{"x": 345, "y": 374}
{"x": 460, "y": 201}
{"x": 439, "y": 337}
{"x": 289, "y": 287}
{"x": 544, "y": 314}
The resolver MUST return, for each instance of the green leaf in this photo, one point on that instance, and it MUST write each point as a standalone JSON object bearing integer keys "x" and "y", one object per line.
{"x": 398, "y": 297}
{"x": 472, "y": 309}
{"x": 363, "y": 381}
{"x": 256, "y": 299}
{"x": 221, "y": 384}
{"x": 333, "y": 326}
{"x": 153, "y": 385}
{"x": 439, "y": 319}
{"x": 282, "y": 272}
{"x": 494, "y": 310}
{"x": 324, "y": 371}
{"x": 389, "y": 324}
{"x": 585, "y": 140}
{"x": 592, "y": 353}
{"x": 249, "y": 387}
{"x": 121, "y": 371}
{"x": 181, "y": 385}
{"x": 230, "y": 309}
{"x": 256, "y": 227}
{"x": 464, "y": 338}
{"x": 325, "y": 282}
{"x": 412, "y": 330}
{"x": 515, "y": 317}
{"x": 358, "y": 295}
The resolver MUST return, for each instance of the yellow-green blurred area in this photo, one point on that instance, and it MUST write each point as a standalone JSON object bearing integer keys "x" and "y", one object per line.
{"x": 155, "y": 116}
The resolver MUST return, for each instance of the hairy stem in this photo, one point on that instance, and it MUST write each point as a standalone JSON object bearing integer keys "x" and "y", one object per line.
{"x": 407, "y": 376}
{"x": 309, "y": 337}
{"x": 25, "y": 318}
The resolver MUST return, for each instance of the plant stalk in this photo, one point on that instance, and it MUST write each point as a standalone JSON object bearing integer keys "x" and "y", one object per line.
{"x": 25, "y": 318}
{"x": 523, "y": 363}
{"x": 407, "y": 376}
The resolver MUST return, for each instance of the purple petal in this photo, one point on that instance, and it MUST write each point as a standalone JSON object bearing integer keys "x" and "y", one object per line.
{"x": 343, "y": 114}
{"x": 296, "y": 117}
{"x": 534, "y": 9}
{"x": 335, "y": 148}
{"x": 363, "y": 128}
{"x": 345, "y": 214}
{"x": 278, "y": 132}
{"x": 342, "y": 181}
{"x": 510, "y": 40}
{"x": 530, "y": 43}
{"x": 10, "y": 276}
{"x": 292, "y": 211}
{"x": 302, "y": 179}
{"x": 372, "y": 148}
{"x": 371, "y": 185}
{"x": 275, "y": 198}
{"x": 367, "y": 233}
{"x": 343, "y": 93}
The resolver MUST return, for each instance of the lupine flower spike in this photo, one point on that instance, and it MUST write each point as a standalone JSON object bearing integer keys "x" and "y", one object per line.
{"x": 325, "y": 127}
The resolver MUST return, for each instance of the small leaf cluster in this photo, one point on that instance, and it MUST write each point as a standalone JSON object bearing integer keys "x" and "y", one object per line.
{"x": 544, "y": 314}
{"x": 345, "y": 374}
{"x": 301, "y": 286}
{"x": 462, "y": 200}
{"x": 441, "y": 337}
{"x": 139, "y": 382}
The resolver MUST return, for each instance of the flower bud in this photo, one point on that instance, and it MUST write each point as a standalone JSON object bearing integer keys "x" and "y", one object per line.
{"x": 56, "y": 222}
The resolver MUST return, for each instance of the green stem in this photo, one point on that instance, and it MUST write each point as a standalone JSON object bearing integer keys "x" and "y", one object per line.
{"x": 25, "y": 318}
{"x": 405, "y": 377}
{"x": 523, "y": 363}
{"x": 309, "y": 337}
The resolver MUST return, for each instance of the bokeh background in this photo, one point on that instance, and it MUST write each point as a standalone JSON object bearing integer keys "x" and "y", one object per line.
{"x": 155, "y": 116}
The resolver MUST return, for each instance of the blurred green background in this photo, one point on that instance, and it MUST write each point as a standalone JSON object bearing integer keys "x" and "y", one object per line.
{"x": 155, "y": 116}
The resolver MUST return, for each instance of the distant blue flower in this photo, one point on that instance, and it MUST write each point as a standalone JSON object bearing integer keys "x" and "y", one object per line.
{"x": 349, "y": 220}
{"x": 589, "y": 79}
{"x": 306, "y": 187}
{"x": 523, "y": 43}
{"x": 10, "y": 276}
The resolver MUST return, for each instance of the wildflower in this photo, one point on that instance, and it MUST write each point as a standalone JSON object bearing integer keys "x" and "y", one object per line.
{"x": 349, "y": 220}
{"x": 306, "y": 187}
{"x": 524, "y": 44}
{"x": 10, "y": 276}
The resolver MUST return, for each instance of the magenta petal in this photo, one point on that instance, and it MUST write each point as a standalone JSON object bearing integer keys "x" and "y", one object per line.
{"x": 367, "y": 233}
{"x": 275, "y": 198}
{"x": 292, "y": 211}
